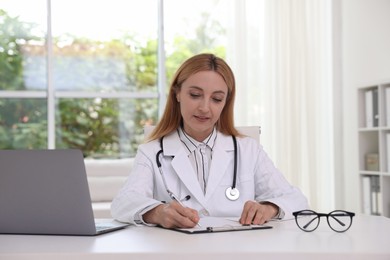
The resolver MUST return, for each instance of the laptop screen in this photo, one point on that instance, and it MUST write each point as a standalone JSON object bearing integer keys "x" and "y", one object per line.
{"x": 44, "y": 192}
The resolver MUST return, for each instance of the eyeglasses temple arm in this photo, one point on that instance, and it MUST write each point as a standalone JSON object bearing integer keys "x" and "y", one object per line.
{"x": 338, "y": 215}
{"x": 305, "y": 226}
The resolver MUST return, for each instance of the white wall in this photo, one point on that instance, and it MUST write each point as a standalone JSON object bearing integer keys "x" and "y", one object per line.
{"x": 365, "y": 60}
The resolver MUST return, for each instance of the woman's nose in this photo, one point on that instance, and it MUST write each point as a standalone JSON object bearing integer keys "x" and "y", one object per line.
{"x": 204, "y": 105}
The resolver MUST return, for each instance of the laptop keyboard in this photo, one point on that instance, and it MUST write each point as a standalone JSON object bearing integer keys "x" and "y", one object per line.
{"x": 100, "y": 227}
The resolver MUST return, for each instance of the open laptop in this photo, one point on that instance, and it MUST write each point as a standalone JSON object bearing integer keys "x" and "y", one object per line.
{"x": 46, "y": 192}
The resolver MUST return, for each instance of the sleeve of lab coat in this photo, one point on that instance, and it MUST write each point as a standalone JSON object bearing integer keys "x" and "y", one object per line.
{"x": 272, "y": 186}
{"x": 137, "y": 193}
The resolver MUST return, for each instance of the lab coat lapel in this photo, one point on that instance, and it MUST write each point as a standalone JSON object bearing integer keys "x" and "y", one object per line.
{"x": 220, "y": 162}
{"x": 182, "y": 166}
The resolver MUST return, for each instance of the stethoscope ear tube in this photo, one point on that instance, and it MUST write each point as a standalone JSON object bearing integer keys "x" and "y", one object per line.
{"x": 158, "y": 154}
{"x": 158, "y": 158}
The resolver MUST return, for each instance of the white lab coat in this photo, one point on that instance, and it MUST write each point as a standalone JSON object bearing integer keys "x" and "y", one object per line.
{"x": 257, "y": 179}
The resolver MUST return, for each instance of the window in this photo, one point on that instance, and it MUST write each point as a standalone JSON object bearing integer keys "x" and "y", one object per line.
{"x": 23, "y": 109}
{"x": 90, "y": 74}
{"x": 87, "y": 77}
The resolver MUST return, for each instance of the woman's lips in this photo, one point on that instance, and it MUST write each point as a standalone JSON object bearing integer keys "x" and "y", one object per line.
{"x": 202, "y": 118}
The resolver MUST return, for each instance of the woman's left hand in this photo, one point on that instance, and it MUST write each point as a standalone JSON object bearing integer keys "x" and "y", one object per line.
{"x": 258, "y": 213}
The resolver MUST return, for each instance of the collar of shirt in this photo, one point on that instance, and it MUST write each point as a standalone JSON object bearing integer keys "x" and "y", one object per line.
{"x": 200, "y": 155}
{"x": 191, "y": 144}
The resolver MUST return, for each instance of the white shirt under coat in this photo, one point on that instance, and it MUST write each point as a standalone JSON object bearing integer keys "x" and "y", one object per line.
{"x": 257, "y": 179}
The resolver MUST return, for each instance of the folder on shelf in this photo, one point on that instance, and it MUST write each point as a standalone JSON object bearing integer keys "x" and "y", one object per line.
{"x": 372, "y": 197}
{"x": 375, "y": 108}
{"x": 372, "y": 108}
{"x": 366, "y": 186}
{"x": 375, "y": 196}
{"x": 388, "y": 151}
{"x": 387, "y": 102}
{"x": 369, "y": 108}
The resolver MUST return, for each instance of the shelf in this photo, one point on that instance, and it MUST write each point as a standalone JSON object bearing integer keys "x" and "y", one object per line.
{"x": 367, "y": 173}
{"x": 373, "y": 129}
{"x": 374, "y": 148}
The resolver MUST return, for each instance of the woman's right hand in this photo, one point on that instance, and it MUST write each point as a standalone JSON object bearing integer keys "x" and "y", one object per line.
{"x": 172, "y": 215}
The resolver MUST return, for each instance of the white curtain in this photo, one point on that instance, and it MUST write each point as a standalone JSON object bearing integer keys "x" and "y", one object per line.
{"x": 281, "y": 53}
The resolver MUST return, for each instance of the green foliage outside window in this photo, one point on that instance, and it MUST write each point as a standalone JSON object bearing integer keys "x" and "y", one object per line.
{"x": 100, "y": 127}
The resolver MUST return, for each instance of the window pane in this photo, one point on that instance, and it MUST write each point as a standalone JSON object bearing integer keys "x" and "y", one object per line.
{"x": 23, "y": 123}
{"x": 106, "y": 45}
{"x": 22, "y": 41}
{"x": 197, "y": 27}
{"x": 104, "y": 127}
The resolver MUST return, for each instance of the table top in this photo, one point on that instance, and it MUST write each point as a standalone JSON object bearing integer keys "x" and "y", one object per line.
{"x": 368, "y": 238}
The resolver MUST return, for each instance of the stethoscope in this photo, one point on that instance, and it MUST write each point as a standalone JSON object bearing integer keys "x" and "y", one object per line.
{"x": 232, "y": 193}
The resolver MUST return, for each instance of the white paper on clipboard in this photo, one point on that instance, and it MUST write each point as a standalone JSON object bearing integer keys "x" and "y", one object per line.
{"x": 220, "y": 224}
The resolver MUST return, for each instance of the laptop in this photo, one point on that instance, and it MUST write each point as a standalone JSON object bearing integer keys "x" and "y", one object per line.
{"x": 46, "y": 192}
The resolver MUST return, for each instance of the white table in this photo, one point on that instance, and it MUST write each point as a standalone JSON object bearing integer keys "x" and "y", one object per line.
{"x": 368, "y": 238}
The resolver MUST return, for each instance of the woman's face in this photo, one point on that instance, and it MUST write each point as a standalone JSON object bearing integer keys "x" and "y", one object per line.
{"x": 202, "y": 97}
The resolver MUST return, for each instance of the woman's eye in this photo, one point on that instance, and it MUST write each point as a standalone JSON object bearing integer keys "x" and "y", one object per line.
{"x": 218, "y": 100}
{"x": 194, "y": 95}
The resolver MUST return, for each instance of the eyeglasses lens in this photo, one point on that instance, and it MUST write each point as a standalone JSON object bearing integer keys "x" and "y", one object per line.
{"x": 307, "y": 220}
{"x": 339, "y": 221}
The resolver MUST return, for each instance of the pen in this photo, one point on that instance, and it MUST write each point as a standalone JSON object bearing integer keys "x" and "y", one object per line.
{"x": 228, "y": 228}
{"x": 173, "y": 197}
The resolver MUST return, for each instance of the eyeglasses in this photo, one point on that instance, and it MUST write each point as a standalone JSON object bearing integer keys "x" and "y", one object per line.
{"x": 338, "y": 220}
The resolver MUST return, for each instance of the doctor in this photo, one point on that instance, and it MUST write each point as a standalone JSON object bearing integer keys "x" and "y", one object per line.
{"x": 197, "y": 164}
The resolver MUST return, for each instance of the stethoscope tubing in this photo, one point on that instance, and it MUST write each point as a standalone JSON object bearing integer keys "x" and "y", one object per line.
{"x": 232, "y": 192}
{"x": 235, "y": 163}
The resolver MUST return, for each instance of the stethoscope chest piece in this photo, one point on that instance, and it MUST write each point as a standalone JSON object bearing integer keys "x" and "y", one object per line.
{"x": 232, "y": 193}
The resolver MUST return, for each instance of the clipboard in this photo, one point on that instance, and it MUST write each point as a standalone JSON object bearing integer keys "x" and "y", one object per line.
{"x": 219, "y": 224}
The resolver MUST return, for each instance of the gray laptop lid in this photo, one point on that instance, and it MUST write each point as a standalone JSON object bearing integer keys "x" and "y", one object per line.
{"x": 44, "y": 192}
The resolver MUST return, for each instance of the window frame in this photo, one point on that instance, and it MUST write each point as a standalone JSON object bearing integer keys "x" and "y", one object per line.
{"x": 51, "y": 95}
